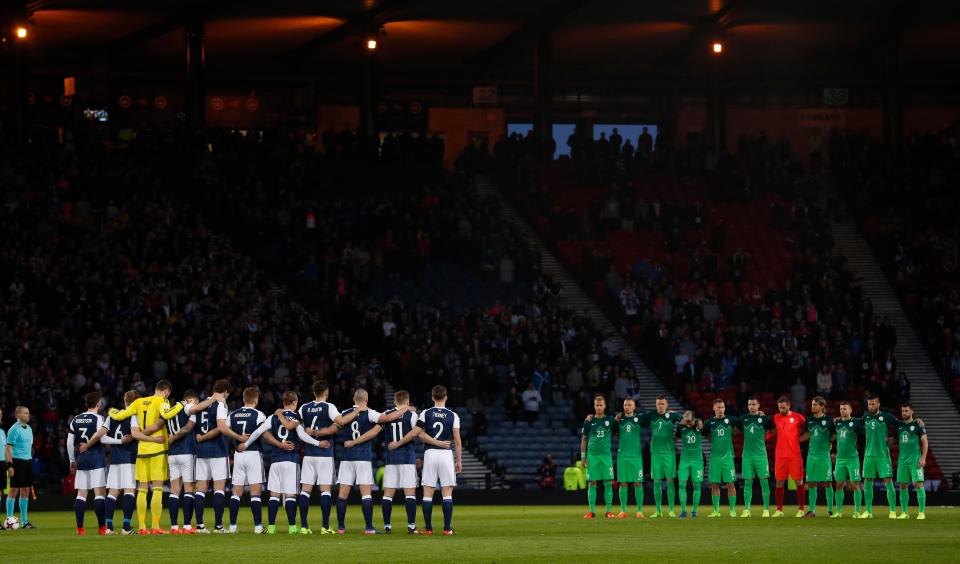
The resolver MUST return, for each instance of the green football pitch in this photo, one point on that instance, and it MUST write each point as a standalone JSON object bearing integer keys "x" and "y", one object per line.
{"x": 517, "y": 533}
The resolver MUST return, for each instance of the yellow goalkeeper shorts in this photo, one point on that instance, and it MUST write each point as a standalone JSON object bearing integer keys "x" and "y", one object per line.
{"x": 152, "y": 469}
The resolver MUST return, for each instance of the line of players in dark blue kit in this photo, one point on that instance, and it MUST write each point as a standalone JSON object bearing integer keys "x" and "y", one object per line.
{"x": 196, "y": 458}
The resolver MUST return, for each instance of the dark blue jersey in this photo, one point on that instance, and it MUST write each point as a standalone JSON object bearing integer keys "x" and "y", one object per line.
{"x": 317, "y": 415}
{"x": 396, "y": 430}
{"x": 363, "y": 423}
{"x": 282, "y": 434}
{"x": 439, "y": 423}
{"x": 82, "y": 428}
{"x": 245, "y": 421}
{"x": 207, "y": 421}
{"x": 186, "y": 445}
{"x": 121, "y": 454}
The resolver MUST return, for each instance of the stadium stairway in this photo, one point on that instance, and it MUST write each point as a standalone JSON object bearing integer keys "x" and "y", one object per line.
{"x": 927, "y": 392}
{"x": 577, "y": 300}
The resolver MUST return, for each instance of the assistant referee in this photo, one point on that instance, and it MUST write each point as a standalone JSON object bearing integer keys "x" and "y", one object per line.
{"x": 19, "y": 456}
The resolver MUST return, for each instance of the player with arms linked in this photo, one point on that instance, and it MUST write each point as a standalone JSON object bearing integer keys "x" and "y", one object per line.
{"x": 356, "y": 464}
{"x": 401, "y": 464}
{"x": 247, "y": 465}
{"x": 121, "y": 475}
{"x": 89, "y": 464}
{"x": 284, "y": 431}
{"x": 322, "y": 420}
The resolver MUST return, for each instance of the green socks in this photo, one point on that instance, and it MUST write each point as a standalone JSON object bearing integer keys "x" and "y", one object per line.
{"x": 592, "y": 497}
{"x": 638, "y": 493}
{"x": 732, "y": 499}
{"x": 697, "y": 490}
{"x": 608, "y": 495}
{"x": 922, "y": 499}
{"x": 868, "y": 494}
{"x": 857, "y": 500}
{"x": 671, "y": 496}
{"x": 765, "y": 492}
{"x": 812, "y": 497}
{"x": 747, "y": 493}
{"x": 682, "y": 490}
{"x": 716, "y": 503}
{"x": 838, "y": 500}
{"x": 891, "y": 496}
{"x": 904, "y": 499}
{"x": 658, "y": 495}
{"x": 624, "y": 494}
{"x": 829, "y": 492}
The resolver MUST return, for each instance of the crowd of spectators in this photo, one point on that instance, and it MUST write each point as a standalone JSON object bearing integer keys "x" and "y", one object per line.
{"x": 814, "y": 333}
{"x": 907, "y": 204}
{"x": 124, "y": 264}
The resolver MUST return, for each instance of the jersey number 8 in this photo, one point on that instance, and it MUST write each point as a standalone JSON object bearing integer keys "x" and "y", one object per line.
{"x": 355, "y": 430}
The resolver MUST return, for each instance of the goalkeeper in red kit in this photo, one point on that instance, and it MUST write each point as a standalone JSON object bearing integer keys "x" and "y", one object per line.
{"x": 789, "y": 463}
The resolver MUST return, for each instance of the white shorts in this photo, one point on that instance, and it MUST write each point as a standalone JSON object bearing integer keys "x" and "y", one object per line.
{"x": 248, "y": 468}
{"x": 400, "y": 476}
{"x": 438, "y": 467}
{"x": 212, "y": 469}
{"x": 89, "y": 479}
{"x": 283, "y": 478}
{"x": 317, "y": 470}
{"x": 355, "y": 473}
{"x": 182, "y": 467}
{"x": 122, "y": 477}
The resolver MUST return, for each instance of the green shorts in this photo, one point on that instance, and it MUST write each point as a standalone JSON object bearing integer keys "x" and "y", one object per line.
{"x": 847, "y": 470}
{"x": 629, "y": 469}
{"x": 877, "y": 467}
{"x": 599, "y": 467}
{"x": 756, "y": 467}
{"x": 663, "y": 466}
{"x": 722, "y": 471}
{"x": 690, "y": 470}
{"x": 818, "y": 469}
{"x": 908, "y": 472}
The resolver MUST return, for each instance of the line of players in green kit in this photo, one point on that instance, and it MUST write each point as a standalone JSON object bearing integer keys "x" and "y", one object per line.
{"x": 820, "y": 429}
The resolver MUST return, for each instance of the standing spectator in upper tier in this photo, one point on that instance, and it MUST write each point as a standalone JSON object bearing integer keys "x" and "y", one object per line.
{"x": 531, "y": 404}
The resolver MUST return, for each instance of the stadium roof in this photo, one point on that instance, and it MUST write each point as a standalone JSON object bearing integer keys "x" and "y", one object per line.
{"x": 476, "y": 40}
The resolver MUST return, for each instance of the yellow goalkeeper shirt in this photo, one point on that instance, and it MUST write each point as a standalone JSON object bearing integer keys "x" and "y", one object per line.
{"x": 149, "y": 410}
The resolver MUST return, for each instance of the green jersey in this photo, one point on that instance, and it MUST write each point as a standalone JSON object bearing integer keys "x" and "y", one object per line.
{"x": 721, "y": 436}
{"x": 820, "y": 429}
{"x": 691, "y": 444}
{"x": 599, "y": 431}
{"x": 629, "y": 430}
{"x": 755, "y": 429}
{"x": 908, "y": 436}
{"x": 875, "y": 428}
{"x": 847, "y": 434}
{"x": 662, "y": 439}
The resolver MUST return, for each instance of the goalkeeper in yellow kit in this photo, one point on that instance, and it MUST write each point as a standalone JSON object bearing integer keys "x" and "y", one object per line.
{"x": 149, "y": 427}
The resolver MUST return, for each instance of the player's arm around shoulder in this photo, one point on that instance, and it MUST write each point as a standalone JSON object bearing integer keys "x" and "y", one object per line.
{"x": 121, "y": 414}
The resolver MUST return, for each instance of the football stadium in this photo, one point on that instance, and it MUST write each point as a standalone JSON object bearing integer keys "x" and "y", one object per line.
{"x": 540, "y": 280}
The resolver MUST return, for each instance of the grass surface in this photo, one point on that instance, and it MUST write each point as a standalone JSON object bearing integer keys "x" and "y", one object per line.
{"x": 517, "y": 533}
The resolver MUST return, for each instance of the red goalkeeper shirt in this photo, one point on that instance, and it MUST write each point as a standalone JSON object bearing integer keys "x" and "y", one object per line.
{"x": 788, "y": 433}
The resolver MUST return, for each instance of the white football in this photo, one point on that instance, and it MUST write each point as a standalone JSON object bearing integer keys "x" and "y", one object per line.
{"x": 12, "y": 523}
